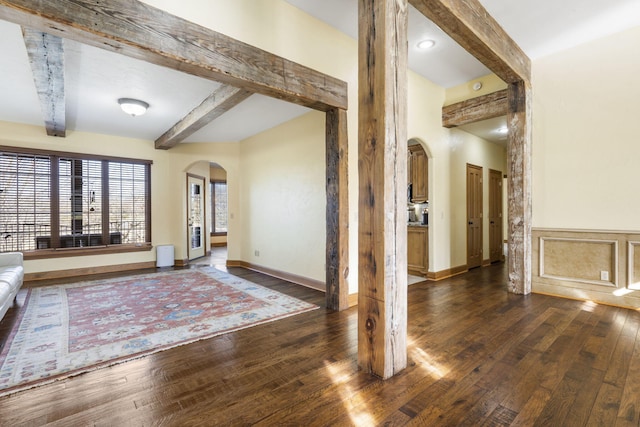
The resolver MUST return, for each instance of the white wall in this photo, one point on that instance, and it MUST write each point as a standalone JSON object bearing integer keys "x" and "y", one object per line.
{"x": 585, "y": 136}
{"x": 284, "y": 197}
{"x": 488, "y": 84}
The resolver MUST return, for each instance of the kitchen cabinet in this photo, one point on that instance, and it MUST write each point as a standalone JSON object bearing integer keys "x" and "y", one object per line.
{"x": 418, "y": 250}
{"x": 418, "y": 174}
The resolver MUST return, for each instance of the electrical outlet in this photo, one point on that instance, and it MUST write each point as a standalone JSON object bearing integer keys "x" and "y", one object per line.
{"x": 256, "y": 252}
{"x": 604, "y": 275}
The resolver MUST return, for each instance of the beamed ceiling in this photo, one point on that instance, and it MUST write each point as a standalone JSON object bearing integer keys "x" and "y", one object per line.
{"x": 95, "y": 78}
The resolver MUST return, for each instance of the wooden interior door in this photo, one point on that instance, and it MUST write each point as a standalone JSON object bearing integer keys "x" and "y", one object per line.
{"x": 474, "y": 216}
{"x": 196, "y": 230}
{"x": 495, "y": 216}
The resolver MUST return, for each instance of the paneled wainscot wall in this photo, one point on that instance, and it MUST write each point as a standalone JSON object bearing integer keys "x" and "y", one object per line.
{"x": 599, "y": 266}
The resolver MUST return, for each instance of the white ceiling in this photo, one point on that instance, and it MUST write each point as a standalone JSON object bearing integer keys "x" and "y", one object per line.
{"x": 95, "y": 78}
{"x": 539, "y": 27}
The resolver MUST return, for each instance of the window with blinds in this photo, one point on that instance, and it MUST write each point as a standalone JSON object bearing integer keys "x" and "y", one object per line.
{"x": 80, "y": 207}
{"x": 58, "y": 200}
{"x": 128, "y": 201}
{"x": 25, "y": 203}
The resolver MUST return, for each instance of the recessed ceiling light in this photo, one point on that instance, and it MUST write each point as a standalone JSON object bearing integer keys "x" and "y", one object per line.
{"x": 426, "y": 44}
{"x": 134, "y": 107}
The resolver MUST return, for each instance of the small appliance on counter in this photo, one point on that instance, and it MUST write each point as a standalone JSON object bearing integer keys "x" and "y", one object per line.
{"x": 411, "y": 214}
{"x": 425, "y": 216}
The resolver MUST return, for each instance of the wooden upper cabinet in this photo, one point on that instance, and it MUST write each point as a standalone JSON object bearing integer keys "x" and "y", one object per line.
{"x": 418, "y": 174}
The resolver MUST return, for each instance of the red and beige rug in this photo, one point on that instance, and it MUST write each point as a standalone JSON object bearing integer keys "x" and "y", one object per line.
{"x": 65, "y": 330}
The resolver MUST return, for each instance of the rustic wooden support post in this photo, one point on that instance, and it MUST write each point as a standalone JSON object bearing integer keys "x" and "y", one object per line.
{"x": 519, "y": 181}
{"x": 337, "y": 142}
{"x": 382, "y": 143}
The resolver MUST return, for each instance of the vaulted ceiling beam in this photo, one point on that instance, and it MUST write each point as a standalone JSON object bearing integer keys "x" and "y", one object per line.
{"x": 144, "y": 32}
{"x": 219, "y": 102}
{"x": 46, "y": 55}
{"x": 476, "y": 109}
{"x": 473, "y": 28}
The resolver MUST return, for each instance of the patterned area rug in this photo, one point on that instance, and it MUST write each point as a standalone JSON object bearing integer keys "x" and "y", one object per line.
{"x": 65, "y": 330}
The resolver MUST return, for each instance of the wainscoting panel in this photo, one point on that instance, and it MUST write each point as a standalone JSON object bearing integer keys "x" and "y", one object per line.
{"x": 579, "y": 260}
{"x": 633, "y": 265}
{"x": 590, "y": 265}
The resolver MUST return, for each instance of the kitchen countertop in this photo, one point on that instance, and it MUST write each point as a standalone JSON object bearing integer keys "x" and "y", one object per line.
{"x": 417, "y": 224}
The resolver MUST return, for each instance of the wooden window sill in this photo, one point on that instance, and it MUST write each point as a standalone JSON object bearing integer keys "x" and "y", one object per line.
{"x": 85, "y": 251}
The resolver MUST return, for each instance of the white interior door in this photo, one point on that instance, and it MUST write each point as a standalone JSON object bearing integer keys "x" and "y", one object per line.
{"x": 195, "y": 217}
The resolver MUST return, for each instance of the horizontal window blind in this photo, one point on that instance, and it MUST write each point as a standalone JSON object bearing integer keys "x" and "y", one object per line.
{"x": 50, "y": 200}
{"x": 25, "y": 202}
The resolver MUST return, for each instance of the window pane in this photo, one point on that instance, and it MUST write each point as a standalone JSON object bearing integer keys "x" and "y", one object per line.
{"x": 24, "y": 201}
{"x": 80, "y": 183}
{"x": 127, "y": 203}
{"x": 219, "y": 207}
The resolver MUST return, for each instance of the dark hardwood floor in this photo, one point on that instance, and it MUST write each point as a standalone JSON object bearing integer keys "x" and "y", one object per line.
{"x": 477, "y": 356}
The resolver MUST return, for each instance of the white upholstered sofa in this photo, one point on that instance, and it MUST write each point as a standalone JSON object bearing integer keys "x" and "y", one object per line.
{"x": 11, "y": 277}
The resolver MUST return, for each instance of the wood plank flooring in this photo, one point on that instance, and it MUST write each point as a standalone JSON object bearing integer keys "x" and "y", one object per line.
{"x": 478, "y": 356}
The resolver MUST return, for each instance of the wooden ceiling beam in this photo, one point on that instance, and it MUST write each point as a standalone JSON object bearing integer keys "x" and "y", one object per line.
{"x": 476, "y": 109}
{"x": 473, "y": 28}
{"x": 144, "y": 32}
{"x": 219, "y": 102}
{"x": 46, "y": 56}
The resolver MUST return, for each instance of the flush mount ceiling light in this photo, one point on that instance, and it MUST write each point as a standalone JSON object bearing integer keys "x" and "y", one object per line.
{"x": 134, "y": 107}
{"x": 426, "y": 44}
{"x": 502, "y": 132}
